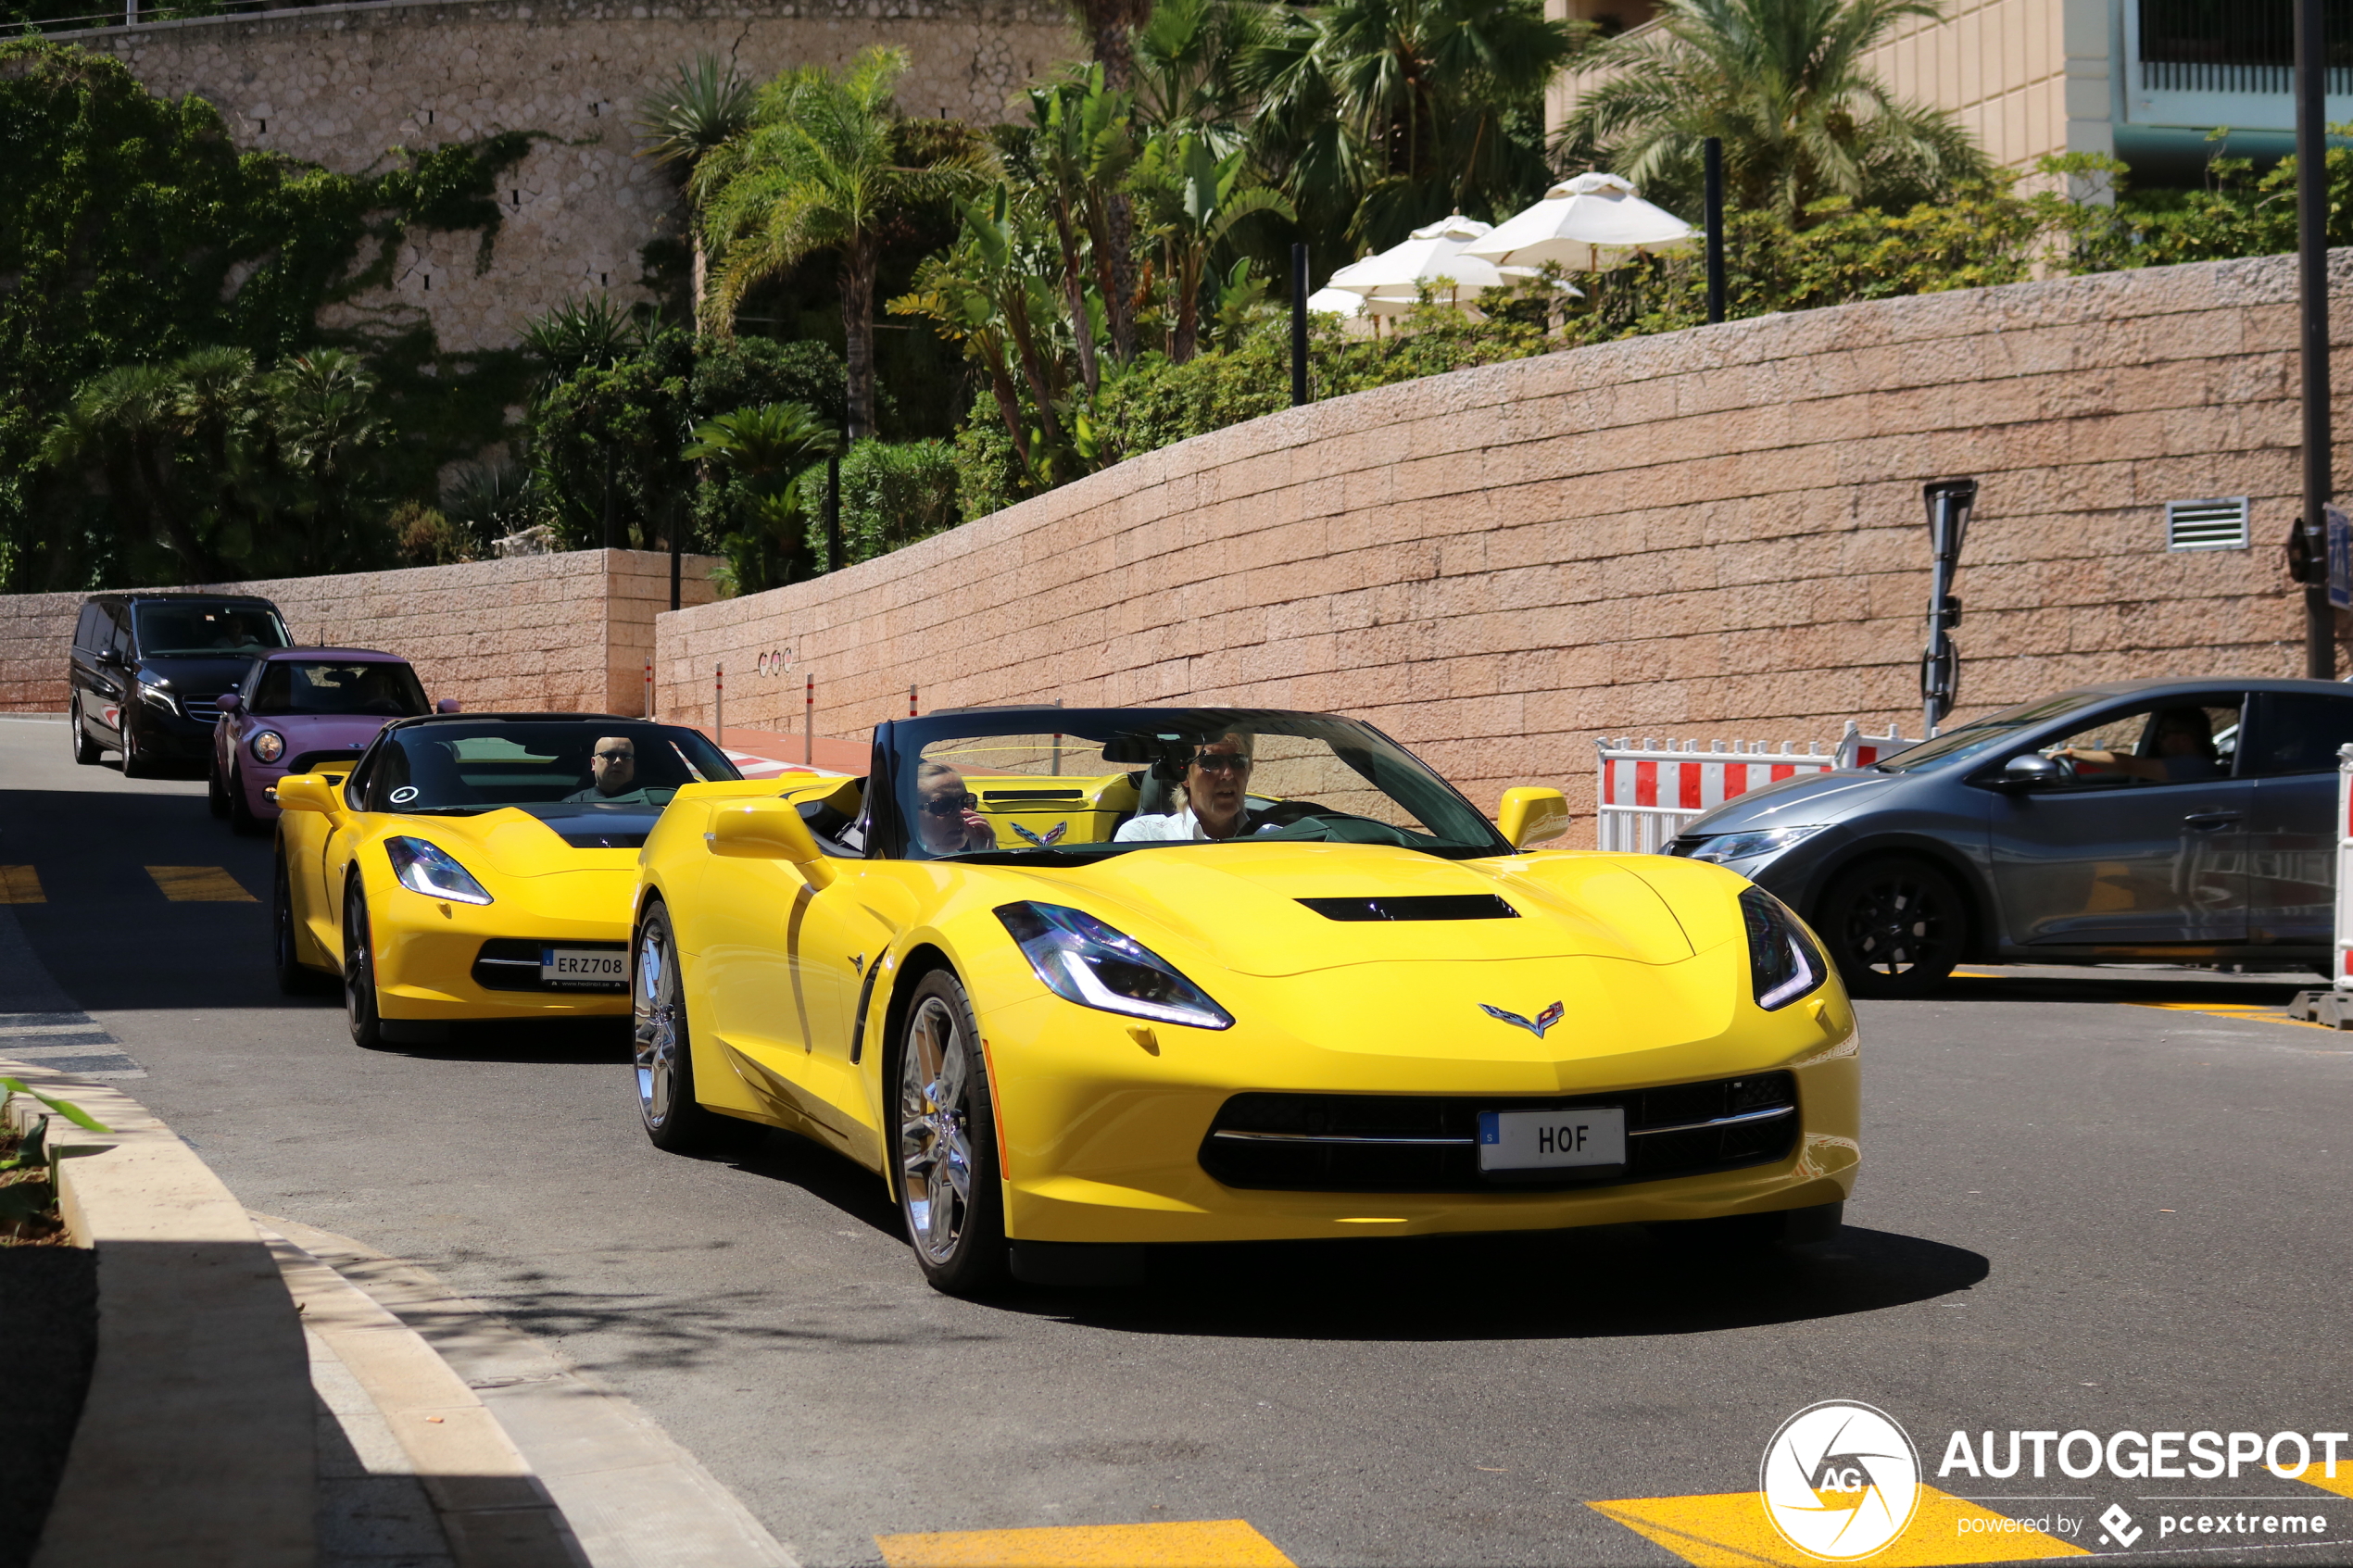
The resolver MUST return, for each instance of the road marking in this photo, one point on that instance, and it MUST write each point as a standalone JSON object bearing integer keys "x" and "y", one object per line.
{"x": 2250, "y": 1011}
{"x": 1730, "y": 1530}
{"x": 2340, "y": 1483}
{"x": 1205, "y": 1543}
{"x": 20, "y": 884}
{"x": 64, "y": 1042}
{"x": 200, "y": 884}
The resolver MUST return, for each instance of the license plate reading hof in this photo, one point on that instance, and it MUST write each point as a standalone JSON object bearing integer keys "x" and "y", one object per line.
{"x": 584, "y": 967}
{"x": 1536, "y": 1140}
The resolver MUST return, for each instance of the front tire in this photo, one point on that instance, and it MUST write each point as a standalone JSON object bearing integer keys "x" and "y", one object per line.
{"x": 946, "y": 1175}
{"x": 134, "y": 766}
{"x": 661, "y": 1046}
{"x": 85, "y": 750}
{"x": 360, "y": 1005}
{"x": 216, "y": 794}
{"x": 241, "y": 822}
{"x": 1896, "y": 927}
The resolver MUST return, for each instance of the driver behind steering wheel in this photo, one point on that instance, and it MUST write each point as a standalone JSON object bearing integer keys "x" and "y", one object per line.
{"x": 1217, "y": 789}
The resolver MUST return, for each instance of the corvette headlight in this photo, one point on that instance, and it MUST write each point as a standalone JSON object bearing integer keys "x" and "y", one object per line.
{"x": 1783, "y": 963}
{"x": 1083, "y": 960}
{"x": 269, "y": 746}
{"x": 156, "y": 696}
{"x": 427, "y": 868}
{"x": 1748, "y": 846}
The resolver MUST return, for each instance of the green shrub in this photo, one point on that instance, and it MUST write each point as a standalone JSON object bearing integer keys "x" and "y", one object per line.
{"x": 895, "y": 493}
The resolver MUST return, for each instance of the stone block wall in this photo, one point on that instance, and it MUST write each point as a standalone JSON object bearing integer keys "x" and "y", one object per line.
{"x": 565, "y": 633}
{"x": 1717, "y": 533}
{"x": 340, "y": 86}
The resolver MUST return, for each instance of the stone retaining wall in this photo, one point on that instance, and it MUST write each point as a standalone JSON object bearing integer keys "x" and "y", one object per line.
{"x": 1717, "y": 533}
{"x": 556, "y": 634}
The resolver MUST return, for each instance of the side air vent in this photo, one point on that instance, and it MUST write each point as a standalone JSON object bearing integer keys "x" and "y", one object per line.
{"x": 2207, "y": 525}
{"x": 1437, "y": 906}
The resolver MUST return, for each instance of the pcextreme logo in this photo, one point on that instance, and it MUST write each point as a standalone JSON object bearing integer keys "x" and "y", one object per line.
{"x": 1840, "y": 1480}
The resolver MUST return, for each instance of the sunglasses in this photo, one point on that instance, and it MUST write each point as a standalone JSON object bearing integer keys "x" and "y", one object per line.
{"x": 618, "y": 755}
{"x": 949, "y": 805}
{"x": 1221, "y": 762}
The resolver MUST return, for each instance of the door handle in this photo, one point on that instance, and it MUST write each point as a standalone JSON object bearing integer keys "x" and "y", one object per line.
{"x": 2207, "y": 821}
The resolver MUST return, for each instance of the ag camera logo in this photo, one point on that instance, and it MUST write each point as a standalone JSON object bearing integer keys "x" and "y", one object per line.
{"x": 1840, "y": 1480}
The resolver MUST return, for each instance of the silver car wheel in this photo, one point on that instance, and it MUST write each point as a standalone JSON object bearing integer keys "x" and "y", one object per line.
{"x": 935, "y": 1143}
{"x": 654, "y": 1006}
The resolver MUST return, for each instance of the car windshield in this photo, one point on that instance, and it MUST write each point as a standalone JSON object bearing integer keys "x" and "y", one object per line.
{"x": 1981, "y": 735}
{"x": 463, "y": 767}
{"x": 169, "y": 629}
{"x": 377, "y": 688}
{"x": 1087, "y": 783}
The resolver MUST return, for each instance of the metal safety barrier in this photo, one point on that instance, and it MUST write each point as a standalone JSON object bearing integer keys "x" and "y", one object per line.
{"x": 1650, "y": 791}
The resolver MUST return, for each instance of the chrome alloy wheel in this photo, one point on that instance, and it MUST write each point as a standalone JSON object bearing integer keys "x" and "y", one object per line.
{"x": 654, "y": 1009}
{"x": 934, "y": 1138}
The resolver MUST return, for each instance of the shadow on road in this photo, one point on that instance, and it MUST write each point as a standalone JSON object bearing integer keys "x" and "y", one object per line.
{"x": 576, "y": 1042}
{"x": 2090, "y": 984}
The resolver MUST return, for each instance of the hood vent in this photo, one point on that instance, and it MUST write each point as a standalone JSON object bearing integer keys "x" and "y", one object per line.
{"x": 1441, "y": 906}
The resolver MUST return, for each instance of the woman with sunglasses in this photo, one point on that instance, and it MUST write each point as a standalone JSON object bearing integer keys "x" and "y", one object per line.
{"x": 1216, "y": 797}
{"x": 945, "y": 820}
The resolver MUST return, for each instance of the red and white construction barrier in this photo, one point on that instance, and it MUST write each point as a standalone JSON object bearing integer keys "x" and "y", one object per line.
{"x": 1651, "y": 791}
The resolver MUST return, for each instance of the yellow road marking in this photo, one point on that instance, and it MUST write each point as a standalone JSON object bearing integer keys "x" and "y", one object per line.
{"x": 1204, "y": 1543}
{"x": 1730, "y": 1530}
{"x": 2340, "y": 1483}
{"x": 2249, "y": 1010}
{"x": 20, "y": 884}
{"x": 200, "y": 884}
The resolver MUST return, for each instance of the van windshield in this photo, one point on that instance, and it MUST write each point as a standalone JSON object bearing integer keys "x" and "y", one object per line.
{"x": 166, "y": 630}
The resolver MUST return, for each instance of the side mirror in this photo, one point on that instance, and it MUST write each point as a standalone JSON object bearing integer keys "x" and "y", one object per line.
{"x": 110, "y": 655}
{"x": 768, "y": 830}
{"x": 446, "y": 704}
{"x": 2034, "y": 771}
{"x": 230, "y": 703}
{"x": 1531, "y": 816}
{"x": 307, "y": 792}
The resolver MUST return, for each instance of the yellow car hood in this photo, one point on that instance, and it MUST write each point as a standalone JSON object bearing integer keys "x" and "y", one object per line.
{"x": 1241, "y": 902}
{"x": 513, "y": 843}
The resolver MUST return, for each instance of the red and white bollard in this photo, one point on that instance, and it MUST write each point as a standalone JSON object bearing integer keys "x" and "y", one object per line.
{"x": 719, "y": 705}
{"x": 809, "y": 719}
{"x": 911, "y": 703}
{"x": 650, "y": 689}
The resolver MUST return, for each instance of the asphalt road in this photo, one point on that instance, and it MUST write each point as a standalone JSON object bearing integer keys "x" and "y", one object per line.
{"x": 2076, "y": 1211}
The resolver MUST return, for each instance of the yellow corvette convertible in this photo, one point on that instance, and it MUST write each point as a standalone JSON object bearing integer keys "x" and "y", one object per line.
{"x": 1073, "y": 980}
{"x": 473, "y": 867}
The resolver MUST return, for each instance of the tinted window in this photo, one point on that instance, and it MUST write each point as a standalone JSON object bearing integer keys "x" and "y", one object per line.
{"x": 198, "y": 628}
{"x": 86, "y": 634}
{"x": 2298, "y": 733}
{"x": 119, "y": 637}
{"x": 1981, "y": 735}
{"x": 460, "y": 769}
{"x": 389, "y": 691}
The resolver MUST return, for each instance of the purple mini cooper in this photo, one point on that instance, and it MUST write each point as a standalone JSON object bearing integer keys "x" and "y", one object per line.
{"x": 297, "y": 707}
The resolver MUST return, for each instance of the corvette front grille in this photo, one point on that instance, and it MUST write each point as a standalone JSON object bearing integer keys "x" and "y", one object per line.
{"x": 1430, "y": 1143}
{"x": 508, "y": 964}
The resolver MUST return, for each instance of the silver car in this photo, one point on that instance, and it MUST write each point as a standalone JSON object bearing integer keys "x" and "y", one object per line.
{"x": 2143, "y": 820}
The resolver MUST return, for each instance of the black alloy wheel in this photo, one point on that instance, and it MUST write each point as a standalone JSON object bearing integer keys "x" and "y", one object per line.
{"x": 241, "y": 822}
{"x": 215, "y": 795}
{"x": 295, "y": 977}
{"x": 85, "y": 750}
{"x": 359, "y": 1010}
{"x": 946, "y": 1175}
{"x": 662, "y": 1060}
{"x": 1896, "y": 927}
{"x": 135, "y": 765}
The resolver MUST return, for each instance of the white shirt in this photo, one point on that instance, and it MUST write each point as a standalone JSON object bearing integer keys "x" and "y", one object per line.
{"x": 1182, "y": 825}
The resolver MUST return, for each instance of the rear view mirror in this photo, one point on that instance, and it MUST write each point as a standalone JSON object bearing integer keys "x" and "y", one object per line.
{"x": 1531, "y": 816}
{"x": 2034, "y": 771}
{"x": 306, "y": 792}
{"x": 768, "y": 830}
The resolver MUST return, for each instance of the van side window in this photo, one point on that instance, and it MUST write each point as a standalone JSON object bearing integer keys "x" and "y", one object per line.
{"x": 86, "y": 634}
{"x": 121, "y": 635}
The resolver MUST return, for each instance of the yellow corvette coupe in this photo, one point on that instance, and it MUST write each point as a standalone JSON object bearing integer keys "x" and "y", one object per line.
{"x": 473, "y": 867}
{"x": 1077, "y": 981}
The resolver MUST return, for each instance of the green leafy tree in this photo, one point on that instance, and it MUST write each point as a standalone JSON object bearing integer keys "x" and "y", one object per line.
{"x": 705, "y": 106}
{"x": 772, "y": 451}
{"x": 896, "y": 493}
{"x": 329, "y": 437}
{"x": 827, "y": 166}
{"x": 1787, "y": 86}
{"x": 1193, "y": 200}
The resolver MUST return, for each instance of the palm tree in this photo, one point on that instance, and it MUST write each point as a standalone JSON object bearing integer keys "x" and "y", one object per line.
{"x": 707, "y": 107}
{"x": 826, "y": 165}
{"x": 124, "y": 425}
{"x": 323, "y": 413}
{"x": 1784, "y": 84}
{"x": 1079, "y": 145}
{"x": 770, "y": 449}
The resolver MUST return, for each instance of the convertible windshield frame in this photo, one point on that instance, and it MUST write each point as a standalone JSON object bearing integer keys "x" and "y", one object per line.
{"x": 479, "y": 739}
{"x": 1452, "y": 827}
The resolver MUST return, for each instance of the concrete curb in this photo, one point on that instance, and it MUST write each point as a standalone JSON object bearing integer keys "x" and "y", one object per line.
{"x": 630, "y": 1494}
{"x": 196, "y": 1443}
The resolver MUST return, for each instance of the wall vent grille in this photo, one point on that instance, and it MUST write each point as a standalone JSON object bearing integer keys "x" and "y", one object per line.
{"x": 2207, "y": 525}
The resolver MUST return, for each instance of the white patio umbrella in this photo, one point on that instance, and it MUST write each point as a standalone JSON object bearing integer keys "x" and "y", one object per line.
{"x": 1337, "y": 302}
{"x": 1589, "y": 224}
{"x": 1400, "y": 273}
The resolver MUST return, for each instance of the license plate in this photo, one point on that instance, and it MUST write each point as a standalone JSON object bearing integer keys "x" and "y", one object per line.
{"x": 1537, "y": 1140}
{"x": 583, "y": 966}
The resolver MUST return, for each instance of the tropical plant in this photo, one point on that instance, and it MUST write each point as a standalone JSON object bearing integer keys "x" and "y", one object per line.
{"x": 827, "y": 166}
{"x": 706, "y": 106}
{"x": 1193, "y": 200}
{"x": 771, "y": 451}
{"x": 492, "y": 500}
{"x": 581, "y": 334}
{"x": 328, "y": 435}
{"x": 895, "y": 493}
{"x": 1076, "y": 152}
{"x": 1787, "y": 86}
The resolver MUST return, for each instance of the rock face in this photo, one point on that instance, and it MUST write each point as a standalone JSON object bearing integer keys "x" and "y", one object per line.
{"x": 340, "y": 86}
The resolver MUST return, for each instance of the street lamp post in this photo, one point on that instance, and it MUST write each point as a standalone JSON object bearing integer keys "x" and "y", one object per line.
{"x": 1949, "y": 503}
{"x": 2312, "y": 336}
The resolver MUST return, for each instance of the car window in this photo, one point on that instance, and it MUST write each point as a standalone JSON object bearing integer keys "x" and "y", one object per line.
{"x": 373, "y": 688}
{"x": 85, "y": 631}
{"x": 2297, "y": 733}
{"x": 2182, "y": 741}
{"x": 1981, "y": 735}
{"x": 120, "y": 638}
{"x": 198, "y": 628}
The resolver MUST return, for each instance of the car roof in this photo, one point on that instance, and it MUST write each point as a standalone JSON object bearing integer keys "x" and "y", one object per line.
{"x": 522, "y": 718}
{"x": 377, "y": 654}
{"x": 143, "y": 595}
{"x": 2208, "y": 683}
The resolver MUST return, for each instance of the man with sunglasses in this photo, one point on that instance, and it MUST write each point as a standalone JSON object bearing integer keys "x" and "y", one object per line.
{"x": 945, "y": 820}
{"x": 1215, "y": 800}
{"x": 612, "y": 772}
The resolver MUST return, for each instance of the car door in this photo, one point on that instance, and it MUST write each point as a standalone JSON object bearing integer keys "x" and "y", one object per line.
{"x": 2115, "y": 858}
{"x": 110, "y": 675}
{"x": 2292, "y": 836}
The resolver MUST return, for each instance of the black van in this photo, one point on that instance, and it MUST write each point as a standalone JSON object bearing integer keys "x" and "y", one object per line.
{"x": 147, "y": 672}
